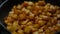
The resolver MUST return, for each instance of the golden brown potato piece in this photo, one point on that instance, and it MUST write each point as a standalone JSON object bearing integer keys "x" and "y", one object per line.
{"x": 22, "y": 16}
{"x": 27, "y": 29}
{"x": 41, "y": 3}
{"x": 20, "y": 32}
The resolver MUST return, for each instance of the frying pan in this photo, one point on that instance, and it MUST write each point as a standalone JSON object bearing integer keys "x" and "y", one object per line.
{"x": 7, "y": 5}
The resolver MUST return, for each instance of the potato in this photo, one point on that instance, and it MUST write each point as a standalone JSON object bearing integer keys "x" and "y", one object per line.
{"x": 33, "y": 18}
{"x": 27, "y": 29}
{"x": 20, "y": 32}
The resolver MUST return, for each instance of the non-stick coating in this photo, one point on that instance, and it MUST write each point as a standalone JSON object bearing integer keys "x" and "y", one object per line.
{"x": 4, "y": 10}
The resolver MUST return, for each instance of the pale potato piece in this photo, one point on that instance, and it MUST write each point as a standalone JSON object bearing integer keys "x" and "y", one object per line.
{"x": 20, "y": 32}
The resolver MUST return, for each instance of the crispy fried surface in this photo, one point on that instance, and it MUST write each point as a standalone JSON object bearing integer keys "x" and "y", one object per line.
{"x": 33, "y": 18}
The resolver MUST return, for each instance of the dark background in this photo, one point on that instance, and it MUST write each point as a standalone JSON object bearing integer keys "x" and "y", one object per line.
{"x": 8, "y": 5}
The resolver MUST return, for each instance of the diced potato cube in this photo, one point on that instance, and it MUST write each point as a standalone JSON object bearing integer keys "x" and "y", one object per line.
{"x": 24, "y": 22}
{"x": 36, "y": 25}
{"x": 22, "y": 16}
{"x": 29, "y": 23}
{"x": 41, "y": 3}
{"x": 36, "y": 32}
{"x": 11, "y": 28}
{"x": 15, "y": 23}
{"x": 41, "y": 22}
{"x": 40, "y": 30}
{"x": 27, "y": 29}
{"x": 20, "y": 31}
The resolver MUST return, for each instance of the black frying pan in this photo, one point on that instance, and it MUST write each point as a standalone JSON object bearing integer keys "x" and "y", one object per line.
{"x": 6, "y": 5}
